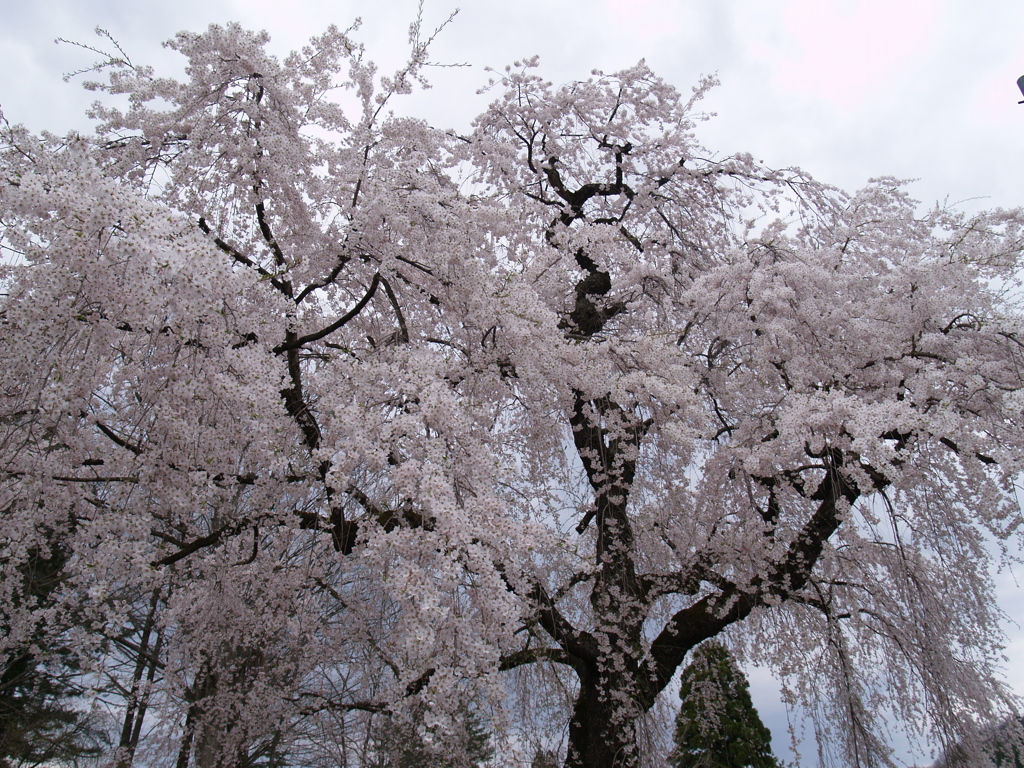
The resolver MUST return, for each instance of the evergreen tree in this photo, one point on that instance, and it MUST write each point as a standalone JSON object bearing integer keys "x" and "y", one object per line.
{"x": 717, "y": 726}
{"x": 401, "y": 746}
{"x": 1001, "y": 746}
{"x": 38, "y": 723}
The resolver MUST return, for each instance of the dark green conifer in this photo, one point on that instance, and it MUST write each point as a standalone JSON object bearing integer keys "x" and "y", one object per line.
{"x": 38, "y": 722}
{"x": 1000, "y": 745}
{"x": 717, "y": 725}
{"x": 400, "y": 744}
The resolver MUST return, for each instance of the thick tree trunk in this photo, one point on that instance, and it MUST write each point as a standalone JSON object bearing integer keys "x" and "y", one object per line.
{"x": 602, "y": 733}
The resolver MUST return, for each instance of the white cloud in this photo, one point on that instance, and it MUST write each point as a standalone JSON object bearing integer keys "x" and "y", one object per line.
{"x": 842, "y": 51}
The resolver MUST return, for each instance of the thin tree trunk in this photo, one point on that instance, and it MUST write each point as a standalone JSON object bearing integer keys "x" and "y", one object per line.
{"x": 136, "y": 707}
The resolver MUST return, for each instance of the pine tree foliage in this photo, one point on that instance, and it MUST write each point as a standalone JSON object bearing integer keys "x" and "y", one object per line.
{"x": 717, "y": 725}
{"x": 998, "y": 746}
{"x": 337, "y": 414}
{"x": 544, "y": 758}
{"x": 39, "y": 720}
{"x": 401, "y": 744}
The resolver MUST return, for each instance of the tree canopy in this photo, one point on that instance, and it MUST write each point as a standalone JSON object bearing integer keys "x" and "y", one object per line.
{"x": 340, "y": 416}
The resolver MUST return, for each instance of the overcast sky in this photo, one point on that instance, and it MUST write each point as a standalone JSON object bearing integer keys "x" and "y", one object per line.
{"x": 845, "y": 89}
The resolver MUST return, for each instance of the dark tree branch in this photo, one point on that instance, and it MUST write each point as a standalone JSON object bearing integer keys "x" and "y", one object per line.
{"x": 956, "y": 449}
{"x": 297, "y": 341}
{"x": 201, "y": 543}
{"x": 534, "y": 655}
{"x": 241, "y": 258}
{"x": 713, "y": 613}
{"x": 331, "y": 277}
{"x": 295, "y": 400}
{"x": 117, "y": 439}
{"x": 421, "y": 682}
{"x": 268, "y": 237}
{"x": 403, "y": 330}
{"x": 576, "y": 643}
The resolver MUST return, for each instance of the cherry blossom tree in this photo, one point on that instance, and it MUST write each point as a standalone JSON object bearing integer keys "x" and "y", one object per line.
{"x": 362, "y": 417}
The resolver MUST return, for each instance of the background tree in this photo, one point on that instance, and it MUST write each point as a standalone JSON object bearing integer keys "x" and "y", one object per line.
{"x": 401, "y": 744}
{"x": 42, "y": 720}
{"x": 1000, "y": 745}
{"x": 394, "y": 417}
{"x": 717, "y": 723}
